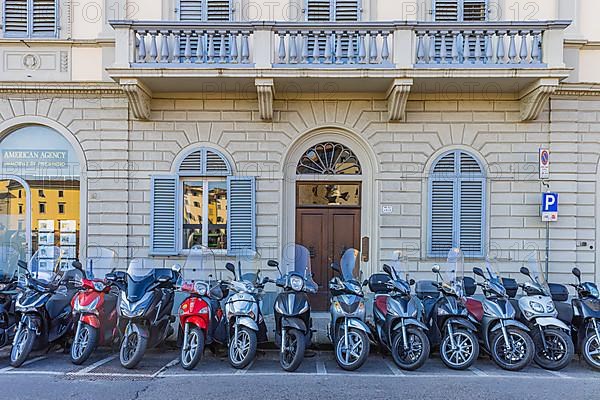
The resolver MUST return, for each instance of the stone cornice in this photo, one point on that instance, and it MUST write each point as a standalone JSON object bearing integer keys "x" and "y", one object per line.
{"x": 578, "y": 89}
{"x": 60, "y": 88}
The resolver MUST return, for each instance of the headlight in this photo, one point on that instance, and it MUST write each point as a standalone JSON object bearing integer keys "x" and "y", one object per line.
{"x": 3, "y": 286}
{"x": 337, "y": 307}
{"x": 200, "y": 288}
{"x": 537, "y": 307}
{"x": 550, "y": 307}
{"x": 90, "y": 308}
{"x": 296, "y": 283}
{"x": 99, "y": 286}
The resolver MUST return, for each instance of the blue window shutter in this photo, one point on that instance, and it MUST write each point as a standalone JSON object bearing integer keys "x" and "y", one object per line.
{"x": 191, "y": 10}
{"x": 318, "y": 10}
{"x": 241, "y": 215}
{"x": 460, "y": 10}
{"x": 471, "y": 217}
{"x": 441, "y": 217}
{"x": 474, "y": 10}
{"x": 43, "y": 18}
{"x": 347, "y": 10}
{"x": 15, "y": 18}
{"x": 163, "y": 209}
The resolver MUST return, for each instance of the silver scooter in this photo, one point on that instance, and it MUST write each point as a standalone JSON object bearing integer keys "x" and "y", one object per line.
{"x": 554, "y": 347}
{"x": 347, "y": 329}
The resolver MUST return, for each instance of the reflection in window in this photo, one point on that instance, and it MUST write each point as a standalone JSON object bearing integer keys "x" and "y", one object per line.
{"x": 328, "y": 194}
{"x": 205, "y": 197}
{"x": 217, "y": 215}
{"x": 192, "y": 215}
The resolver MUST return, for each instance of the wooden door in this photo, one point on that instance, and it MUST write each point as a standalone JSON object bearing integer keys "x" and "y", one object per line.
{"x": 326, "y": 232}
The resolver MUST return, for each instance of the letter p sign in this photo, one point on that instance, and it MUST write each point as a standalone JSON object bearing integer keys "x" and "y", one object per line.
{"x": 549, "y": 206}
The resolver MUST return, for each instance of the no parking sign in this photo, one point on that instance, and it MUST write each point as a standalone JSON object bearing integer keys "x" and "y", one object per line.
{"x": 544, "y": 156}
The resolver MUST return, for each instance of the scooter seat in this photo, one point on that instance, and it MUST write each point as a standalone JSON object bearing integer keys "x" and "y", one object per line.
{"x": 565, "y": 312}
{"x": 475, "y": 308}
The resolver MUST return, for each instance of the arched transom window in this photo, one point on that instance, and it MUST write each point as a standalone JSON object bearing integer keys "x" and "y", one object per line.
{"x": 329, "y": 158}
{"x": 456, "y": 205}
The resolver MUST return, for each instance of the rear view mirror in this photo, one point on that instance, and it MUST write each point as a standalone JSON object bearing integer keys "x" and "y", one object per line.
{"x": 77, "y": 265}
{"x": 176, "y": 268}
{"x": 524, "y": 271}
{"x": 575, "y": 271}
{"x": 479, "y": 272}
{"x": 365, "y": 283}
{"x": 230, "y": 267}
{"x": 387, "y": 269}
{"x": 411, "y": 282}
{"x": 272, "y": 263}
{"x": 435, "y": 269}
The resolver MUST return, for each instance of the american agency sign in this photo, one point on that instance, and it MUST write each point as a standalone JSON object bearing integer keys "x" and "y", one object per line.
{"x": 34, "y": 159}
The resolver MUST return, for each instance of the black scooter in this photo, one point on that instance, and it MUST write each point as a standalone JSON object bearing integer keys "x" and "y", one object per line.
{"x": 292, "y": 309}
{"x": 8, "y": 320}
{"x": 146, "y": 297}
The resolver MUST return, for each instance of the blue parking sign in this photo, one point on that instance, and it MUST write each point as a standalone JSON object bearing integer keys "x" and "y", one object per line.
{"x": 549, "y": 206}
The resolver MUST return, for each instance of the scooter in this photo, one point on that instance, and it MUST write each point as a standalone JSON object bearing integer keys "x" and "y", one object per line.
{"x": 554, "y": 347}
{"x": 8, "y": 320}
{"x": 146, "y": 297}
{"x": 583, "y": 314}
{"x": 450, "y": 325}
{"x": 502, "y": 336}
{"x": 200, "y": 313}
{"x": 398, "y": 318}
{"x": 44, "y": 307}
{"x": 348, "y": 331}
{"x": 245, "y": 325}
{"x": 293, "y": 325}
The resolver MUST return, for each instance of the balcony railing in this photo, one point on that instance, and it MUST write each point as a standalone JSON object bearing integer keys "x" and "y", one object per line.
{"x": 166, "y": 44}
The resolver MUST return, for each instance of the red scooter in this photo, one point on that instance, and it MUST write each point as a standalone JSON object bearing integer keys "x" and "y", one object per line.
{"x": 200, "y": 314}
{"x": 94, "y": 315}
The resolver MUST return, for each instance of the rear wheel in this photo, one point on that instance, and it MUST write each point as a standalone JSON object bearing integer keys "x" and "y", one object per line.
{"x": 22, "y": 347}
{"x": 354, "y": 355}
{"x": 242, "y": 348}
{"x": 293, "y": 350}
{"x": 465, "y": 350}
{"x": 591, "y": 350}
{"x": 515, "y": 355}
{"x": 559, "y": 348}
{"x": 84, "y": 344}
{"x": 192, "y": 349}
{"x": 132, "y": 349}
{"x": 415, "y": 353}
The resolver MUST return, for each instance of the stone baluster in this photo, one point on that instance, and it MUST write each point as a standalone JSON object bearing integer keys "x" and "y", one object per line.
{"x": 455, "y": 53}
{"x": 373, "y": 48}
{"x": 524, "y": 53}
{"x": 211, "y": 48}
{"x": 489, "y": 48}
{"x": 420, "y": 48}
{"x": 304, "y": 54}
{"x": 443, "y": 49}
{"x": 385, "y": 49}
{"x": 245, "y": 48}
{"x": 362, "y": 51}
{"x": 466, "y": 47}
{"x": 153, "y": 47}
{"x": 316, "y": 55}
{"x": 512, "y": 49}
{"x": 281, "y": 52}
{"x": 536, "y": 51}
{"x": 351, "y": 56}
{"x": 339, "y": 51}
{"x": 141, "y": 55}
{"x": 293, "y": 48}
{"x": 223, "y": 48}
{"x": 187, "y": 51}
{"x": 164, "y": 47}
{"x": 200, "y": 48}
{"x": 500, "y": 53}
{"x": 327, "y": 49}
{"x": 176, "y": 48}
{"x": 478, "y": 54}
{"x": 234, "y": 55}
{"x": 431, "y": 47}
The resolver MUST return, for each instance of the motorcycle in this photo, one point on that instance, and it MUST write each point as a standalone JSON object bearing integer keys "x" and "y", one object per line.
{"x": 398, "y": 317}
{"x": 8, "y": 321}
{"x": 293, "y": 324}
{"x": 505, "y": 338}
{"x": 245, "y": 325}
{"x": 146, "y": 297}
{"x": 94, "y": 309}
{"x": 450, "y": 325}
{"x": 44, "y": 307}
{"x": 554, "y": 347}
{"x": 347, "y": 330}
{"x": 200, "y": 314}
{"x": 583, "y": 314}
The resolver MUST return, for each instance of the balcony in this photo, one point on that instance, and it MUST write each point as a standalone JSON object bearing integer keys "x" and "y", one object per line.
{"x": 396, "y": 58}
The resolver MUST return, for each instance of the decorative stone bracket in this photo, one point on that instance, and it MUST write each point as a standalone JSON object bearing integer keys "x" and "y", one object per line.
{"x": 535, "y": 96}
{"x": 265, "y": 88}
{"x": 139, "y": 96}
{"x": 397, "y": 96}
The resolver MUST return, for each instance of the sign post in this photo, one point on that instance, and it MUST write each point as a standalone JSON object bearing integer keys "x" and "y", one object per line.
{"x": 549, "y": 214}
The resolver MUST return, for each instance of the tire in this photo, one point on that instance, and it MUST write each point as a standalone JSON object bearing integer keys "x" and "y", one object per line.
{"x": 526, "y": 349}
{"x": 591, "y": 350}
{"x": 246, "y": 338}
{"x": 191, "y": 352}
{"x": 416, "y": 356}
{"x": 291, "y": 358}
{"x": 560, "y": 349}
{"x": 84, "y": 345}
{"x": 351, "y": 361}
{"x": 467, "y": 352}
{"x": 22, "y": 347}
{"x": 132, "y": 349}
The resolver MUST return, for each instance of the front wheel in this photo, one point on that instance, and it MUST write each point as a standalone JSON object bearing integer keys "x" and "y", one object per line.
{"x": 242, "y": 348}
{"x": 591, "y": 350}
{"x": 192, "y": 348}
{"x": 83, "y": 344}
{"x": 132, "y": 349}
{"x": 515, "y": 355}
{"x": 559, "y": 348}
{"x": 464, "y": 352}
{"x": 21, "y": 347}
{"x": 293, "y": 350}
{"x": 416, "y": 351}
{"x": 352, "y": 356}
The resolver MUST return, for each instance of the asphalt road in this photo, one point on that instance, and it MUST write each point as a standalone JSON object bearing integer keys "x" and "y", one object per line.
{"x": 52, "y": 376}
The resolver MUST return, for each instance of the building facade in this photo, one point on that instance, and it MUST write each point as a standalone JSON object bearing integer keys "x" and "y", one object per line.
{"x": 247, "y": 126}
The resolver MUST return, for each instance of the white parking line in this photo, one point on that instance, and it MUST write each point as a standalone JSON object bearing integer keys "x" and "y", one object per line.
{"x": 163, "y": 369}
{"x": 95, "y": 365}
{"x": 477, "y": 371}
{"x": 559, "y": 374}
{"x": 395, "y": 370}
{"x": 244, "y": 371}
{"x": 321, "y": 370}
{"x": 9, "y": 368}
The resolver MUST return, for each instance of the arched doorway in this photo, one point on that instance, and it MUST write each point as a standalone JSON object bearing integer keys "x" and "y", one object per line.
{"x": 39, "y": 194}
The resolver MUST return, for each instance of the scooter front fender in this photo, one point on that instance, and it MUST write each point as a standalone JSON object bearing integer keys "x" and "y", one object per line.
{"x": 33, "y": 323}
{"x": 511, "y": 322}
{"x": 552, "y": 322}
{"x": 247, "y": 322}
{"x": 90, "y": 320}
{"x": 197, "y": 321}
{"x": 137, "y": 328}
{"x": 294, "y": 323}
{"x": 358, "y": 324}
{"x": 410, "y": 322}
{"x": 463, "y": 322}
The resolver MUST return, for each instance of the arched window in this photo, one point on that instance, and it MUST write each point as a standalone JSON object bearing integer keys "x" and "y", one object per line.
{"x": 456, "y": 205}
{"x": 202, "y": 204}
{"x": 329, "y": 159}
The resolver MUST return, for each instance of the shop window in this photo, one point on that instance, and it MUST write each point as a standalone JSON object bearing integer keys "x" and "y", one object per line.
{"x": 456, "y": 205}
{"x": 215, "y": 209}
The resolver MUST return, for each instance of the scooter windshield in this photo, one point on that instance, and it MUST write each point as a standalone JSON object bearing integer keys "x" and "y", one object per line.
{"x": 538, "y": 276}
{"x": 99, "y": 261}
{"x": 296, "y": 260}
{"x": 45, "y": 266}
{"x": 200, "y": 265}
{"x": 399, "y": 265}
{"x": 140, "y": 268}
{"x": 494, "y": 280}
{"x": 9, "y": 255}
{"x": 454, "y": 268}
{"x": 350, "y": 265}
